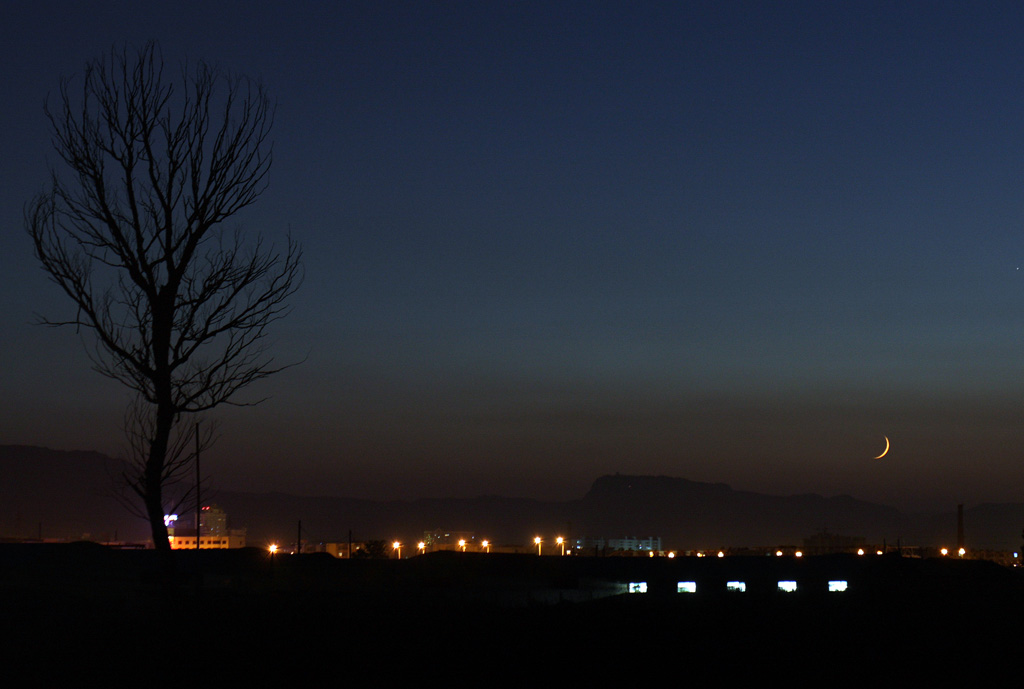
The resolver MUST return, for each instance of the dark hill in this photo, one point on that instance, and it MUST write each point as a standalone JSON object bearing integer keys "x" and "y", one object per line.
{"x": 57, "y": 494}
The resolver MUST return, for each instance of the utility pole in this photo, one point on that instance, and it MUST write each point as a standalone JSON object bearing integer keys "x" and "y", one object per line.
{"x": 199, "y": 503}
{"x": 960, "y": 528}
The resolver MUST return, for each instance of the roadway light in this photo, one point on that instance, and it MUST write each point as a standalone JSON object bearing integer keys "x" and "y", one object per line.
{"x": 272, "y": 548}
{"x": 462, "y": 544}
{"x": 397, "y": 546}
{"x": 422, "y": 547}
{"x": 486, "y": 545}
{"x": 961, "y": 552}
{"x": 538, "y": 542}
{"x": 561, "y": 541}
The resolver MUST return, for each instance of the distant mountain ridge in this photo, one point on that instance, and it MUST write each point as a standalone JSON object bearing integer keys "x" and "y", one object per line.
{"x": 710, "y": 514}
{"x": 58, "y": 494}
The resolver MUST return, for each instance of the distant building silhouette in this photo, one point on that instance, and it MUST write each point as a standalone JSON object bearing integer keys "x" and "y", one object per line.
{"x": 590, "y": 546}
{"x": 825, "y": 543}
{"x": 439, "y": 539}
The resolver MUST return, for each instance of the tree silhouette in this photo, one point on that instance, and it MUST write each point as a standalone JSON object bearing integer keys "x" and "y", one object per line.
{"x": 133, "y": 232}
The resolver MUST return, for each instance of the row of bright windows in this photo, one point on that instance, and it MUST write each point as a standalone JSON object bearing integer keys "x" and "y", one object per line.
{"x": 740, "y": 586}
{"x": 215, "y": 541}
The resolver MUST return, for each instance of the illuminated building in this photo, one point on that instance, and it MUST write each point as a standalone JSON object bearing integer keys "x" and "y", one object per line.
{"x": 185, "y": 539}
{"x": 214, "y": 533}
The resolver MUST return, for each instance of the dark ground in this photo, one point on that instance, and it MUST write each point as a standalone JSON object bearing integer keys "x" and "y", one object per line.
{"x": 80, "y": 612}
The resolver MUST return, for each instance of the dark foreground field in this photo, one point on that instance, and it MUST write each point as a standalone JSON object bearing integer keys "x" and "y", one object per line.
{"x": 83, "y": 612}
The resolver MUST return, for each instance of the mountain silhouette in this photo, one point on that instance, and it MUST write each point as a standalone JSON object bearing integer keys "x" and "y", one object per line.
{"x": 70, "y": 495}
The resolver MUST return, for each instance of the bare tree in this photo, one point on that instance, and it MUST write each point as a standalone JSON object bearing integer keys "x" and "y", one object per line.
{"x": 133, "y": 232}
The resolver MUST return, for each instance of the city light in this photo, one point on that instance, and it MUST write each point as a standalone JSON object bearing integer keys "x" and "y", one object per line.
{"x": 561, "y": 542}
{"x": 537, "y": 541}
{"x": 397, "y": 546}
{"x": 462, "y": 544}
{"x": 422, "y": 547}
{"x": 272, "y": 548}
{"x": 486, "y": 545}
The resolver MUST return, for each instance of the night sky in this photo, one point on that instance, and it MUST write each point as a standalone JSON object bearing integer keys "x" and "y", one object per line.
{"x": 735, "y": 242}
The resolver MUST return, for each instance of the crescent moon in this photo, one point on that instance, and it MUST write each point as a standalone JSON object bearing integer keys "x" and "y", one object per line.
{"x": 886, "y": 450}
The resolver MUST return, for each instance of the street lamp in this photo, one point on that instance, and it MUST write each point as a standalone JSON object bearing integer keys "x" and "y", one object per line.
{"x": 537, "y": 541}
{"x": 397, "y": 546}
{"x": 561, "y": 542}
{"x": 462, "y": 544}
{"x": 486, "y": 545}
{"x": 422, "y": 547}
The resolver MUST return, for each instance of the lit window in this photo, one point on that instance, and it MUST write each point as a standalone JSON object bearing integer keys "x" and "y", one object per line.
{"x": 736, "y": 586}
{"x": 638, "y": 587}
{"x": 787, "y": 586}
{"x": 839, "y": 585}
{"x": 686, "y": 587}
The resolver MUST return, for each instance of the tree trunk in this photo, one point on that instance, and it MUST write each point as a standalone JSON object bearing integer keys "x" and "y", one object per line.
{"x": 163, "y": 316}
{"x": 154, "y": 478}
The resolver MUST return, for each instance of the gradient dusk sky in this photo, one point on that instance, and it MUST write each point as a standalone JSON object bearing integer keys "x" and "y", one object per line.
{"x": 726, "y": 241}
